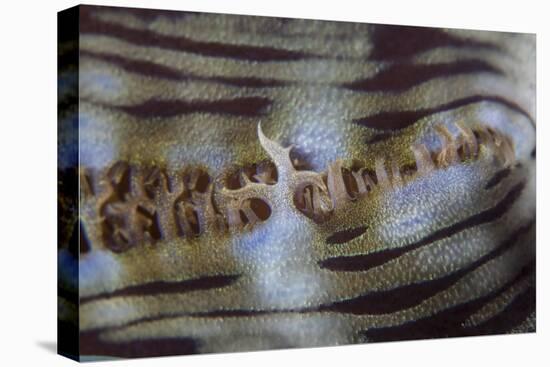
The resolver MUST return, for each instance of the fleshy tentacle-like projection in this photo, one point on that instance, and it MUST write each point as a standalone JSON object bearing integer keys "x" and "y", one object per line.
{"x": 136, "y": 205}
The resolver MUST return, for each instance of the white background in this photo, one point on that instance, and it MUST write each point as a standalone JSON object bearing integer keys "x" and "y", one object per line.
{"x": 28, "y": 183}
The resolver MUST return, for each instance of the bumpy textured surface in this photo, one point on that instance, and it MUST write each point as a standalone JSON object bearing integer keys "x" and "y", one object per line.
{"x": 254, "y": 183}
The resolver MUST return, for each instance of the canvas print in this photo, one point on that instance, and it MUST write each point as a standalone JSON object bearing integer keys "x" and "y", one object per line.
{"x": 231, "y": 183}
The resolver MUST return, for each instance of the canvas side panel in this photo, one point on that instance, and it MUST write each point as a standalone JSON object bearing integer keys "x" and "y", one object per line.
{"x": 67, "y": 182}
